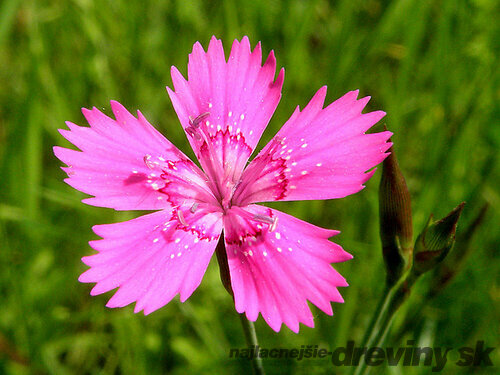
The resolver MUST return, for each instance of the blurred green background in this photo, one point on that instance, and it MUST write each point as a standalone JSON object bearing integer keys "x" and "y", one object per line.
{"x": 431, "y": 65}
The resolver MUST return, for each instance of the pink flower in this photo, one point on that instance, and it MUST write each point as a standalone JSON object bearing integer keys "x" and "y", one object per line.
{"x": 277, "y": 262}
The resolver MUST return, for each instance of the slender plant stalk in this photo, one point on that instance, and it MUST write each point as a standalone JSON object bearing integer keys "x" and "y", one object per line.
{"x": 391, "y": 300}
{"x": 375, "y": 317}
{"x": 248, "y": 326}
{"x": 251, "y": 338}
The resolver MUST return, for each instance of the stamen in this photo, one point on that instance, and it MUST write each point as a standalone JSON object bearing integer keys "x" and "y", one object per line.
{"x": 195, "y": 122}
{"x": 263, "y": 219}
{"x": 193, "y": 133}
{"x": 148, "y": 162}
{"x": 194, "y": 208}
{"x": 273, "y": 226}
{"x": 267, "y": 219}
{"x": 180, "y": 216}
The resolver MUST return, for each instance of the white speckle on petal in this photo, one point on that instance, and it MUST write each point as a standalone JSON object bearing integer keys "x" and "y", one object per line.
{"x": 242, "y": 116}
{"x": 303, "y": 172}
{"x": 319, "y": 164}
{"x": 278, "y": 235}
{"x": 134, "y": 171}
{"x": 179, "y": 254}
{"x": 156, "y": 240}
{"x": 293, "y": 187}
{"x": 290, "y": 249}
{"x": 294, "y": 163}
{"x": 177, "y": 240}
{"x": 172, "y": 256}
{"x": 304, "y": 145}
{"x": 264, "y": 253}
{"x": 250, "y": 253}
{"x": 230, "y": 114}
{"x": 209, "y": 105}
{"x": 279, "y": 249}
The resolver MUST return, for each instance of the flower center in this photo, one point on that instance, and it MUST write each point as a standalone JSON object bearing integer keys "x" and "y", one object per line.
{"x": 222, "y": 154}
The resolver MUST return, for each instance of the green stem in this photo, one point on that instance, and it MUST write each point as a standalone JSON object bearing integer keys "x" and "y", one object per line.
{"x": 376, "y": 316}
{"x": 248, "y": 327}
{"x": 251, "y": 338}
{"x": 391, "y": 300}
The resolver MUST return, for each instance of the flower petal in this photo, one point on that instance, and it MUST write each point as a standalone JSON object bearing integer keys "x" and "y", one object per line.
{"x": 153, "y": 257}
{"x": 318, "y": 154}
{"x": 276, "y": 272}
{"x": 239, "y": 95}
{"x": 119, "y": 163}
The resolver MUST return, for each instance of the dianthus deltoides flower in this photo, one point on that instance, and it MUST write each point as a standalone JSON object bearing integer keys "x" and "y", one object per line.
{"x": 276, "y": 261}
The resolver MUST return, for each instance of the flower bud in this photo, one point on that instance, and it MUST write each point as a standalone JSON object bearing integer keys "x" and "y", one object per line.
{"x": 453, "y": 263}
{"x": 396, "y": 229}
{"x": 435, "y": 241}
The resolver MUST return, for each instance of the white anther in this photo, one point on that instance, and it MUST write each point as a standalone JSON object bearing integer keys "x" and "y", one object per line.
{"x": 194, "y": 207}
{"x": 273, "y": 226}
{"x": 180, "y": 216}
